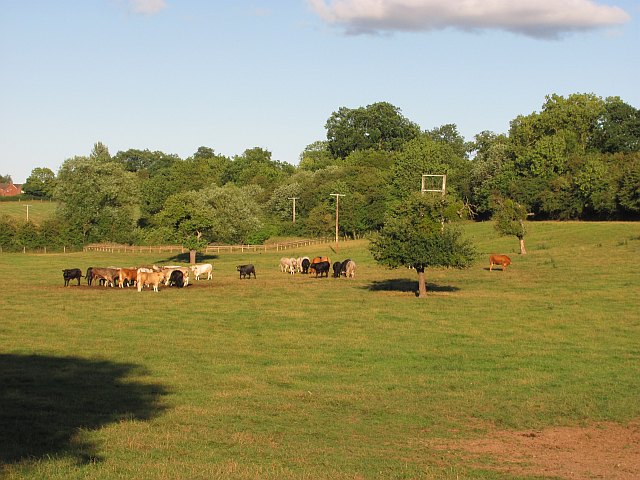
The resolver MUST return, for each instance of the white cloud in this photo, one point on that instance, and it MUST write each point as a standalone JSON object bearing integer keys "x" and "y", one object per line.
{"x": 535, "y": 18}
{"x": 147, "y": 7}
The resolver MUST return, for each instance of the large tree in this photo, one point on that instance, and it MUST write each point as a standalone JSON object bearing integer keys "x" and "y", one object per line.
{"x": 226, "y": 214}
{"x": 98, "y": 199}
{"x": 41, "y": 183}
{"x": 419, "y": 234}
{"x": 380, "y": 126}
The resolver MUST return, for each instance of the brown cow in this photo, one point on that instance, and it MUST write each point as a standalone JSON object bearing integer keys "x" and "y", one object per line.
{"x": 127, "y": 275}
{"x": 502, "y": 260}
{"x": 108, "y": 274}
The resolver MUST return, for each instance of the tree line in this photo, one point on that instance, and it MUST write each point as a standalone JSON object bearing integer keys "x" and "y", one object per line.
{"x": 577, "y": 158}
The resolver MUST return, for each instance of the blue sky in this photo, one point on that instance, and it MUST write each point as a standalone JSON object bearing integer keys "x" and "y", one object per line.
{"x": 174, "y": 75}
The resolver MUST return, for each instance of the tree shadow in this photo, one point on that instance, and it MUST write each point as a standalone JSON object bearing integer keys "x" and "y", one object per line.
{"x": 46, "y": 401}
{"x": 406, "y": 285}
{"x": 184, "y": 258}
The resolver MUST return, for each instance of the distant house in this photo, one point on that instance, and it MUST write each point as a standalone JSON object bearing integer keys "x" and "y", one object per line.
{"x": 10, "y": 189}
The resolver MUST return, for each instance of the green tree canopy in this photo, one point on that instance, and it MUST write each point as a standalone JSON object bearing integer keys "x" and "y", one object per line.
{"x": 41, "y": 183}
{"x": 379, "y": 126}
{"x": 417, "y": 234}
{"x": 510, "y": 218}
{"x": 98, "y": 199}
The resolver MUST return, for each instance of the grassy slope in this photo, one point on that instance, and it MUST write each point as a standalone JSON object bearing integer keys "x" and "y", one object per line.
{"x": 296, "y": 377}
{"x": 38, "y": 210}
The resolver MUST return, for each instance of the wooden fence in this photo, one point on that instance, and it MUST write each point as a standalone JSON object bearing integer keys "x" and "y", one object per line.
{"x": 270, "y": 247}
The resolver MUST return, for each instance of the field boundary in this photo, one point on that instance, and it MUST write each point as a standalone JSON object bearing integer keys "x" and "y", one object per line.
{"x": 270, "y": 247}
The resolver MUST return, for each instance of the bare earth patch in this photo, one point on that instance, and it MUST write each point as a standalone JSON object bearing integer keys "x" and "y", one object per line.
{"x": 603, "y": 450}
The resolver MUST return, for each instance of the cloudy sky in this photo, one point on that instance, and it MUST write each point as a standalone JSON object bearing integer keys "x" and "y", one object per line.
{"x": 174, "y": 75}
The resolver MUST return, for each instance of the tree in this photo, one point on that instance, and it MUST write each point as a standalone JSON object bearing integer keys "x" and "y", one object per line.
{"x": 380, "y": 126}
{"x": 97, "y": 199}
{"x": 618, "y": 129}
{"x": 100, "y": 153}
{"x": 316, "y": 156}
{"x": 226, "y": 214}
{"x": 423, "y": 155}
{"x": 41, "y": 183}
{"x": 417, "y": 234}
{"x": 5, "y": 179}
{"x": 509, "y": 220}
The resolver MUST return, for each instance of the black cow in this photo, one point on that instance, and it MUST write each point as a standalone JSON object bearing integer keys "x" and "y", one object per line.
{"x": 305, "y": 265}
{"x": 336, "y": 269}
{"x": 321, "y": 268}
{"x": 89, "y": 276}
{"x": 343, "y": 267}
{"x": 71, "y": 274}
{"x": 246, "y": 270}
{"x": 176, "y": 279}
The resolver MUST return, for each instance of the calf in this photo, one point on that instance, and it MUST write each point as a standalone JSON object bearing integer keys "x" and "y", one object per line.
{"x": 71, "y": 274}
{"x": 501, "y": 260}
{"x": 321, "y": 268}
{"x": 246, "y": 270}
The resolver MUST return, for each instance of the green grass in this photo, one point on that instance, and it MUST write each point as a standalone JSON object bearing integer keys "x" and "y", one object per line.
{"x": 39, "y": 210}
{"x": 296, "y": 377}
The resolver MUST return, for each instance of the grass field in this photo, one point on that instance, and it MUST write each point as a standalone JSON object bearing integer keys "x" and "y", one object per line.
{"x": 39, "y": 210}
{"x": 288, "y": 377}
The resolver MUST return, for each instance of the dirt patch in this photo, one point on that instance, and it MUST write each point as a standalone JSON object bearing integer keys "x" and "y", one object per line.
{"x": 603, "y": 450}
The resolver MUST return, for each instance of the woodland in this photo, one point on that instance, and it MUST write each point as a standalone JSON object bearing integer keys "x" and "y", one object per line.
{"x": 577, "y": 158}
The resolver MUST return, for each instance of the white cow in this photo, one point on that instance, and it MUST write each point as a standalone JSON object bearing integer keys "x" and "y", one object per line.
{"x": 285, "y": 264}
{"x": 351, "y": 269}
{"x": 202, "y": 269}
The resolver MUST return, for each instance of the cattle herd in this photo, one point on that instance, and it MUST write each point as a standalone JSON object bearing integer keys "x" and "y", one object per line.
{"x": 319, "y": 266}
{"x": 180, "y": 276}
{"x": 150, "y": 277}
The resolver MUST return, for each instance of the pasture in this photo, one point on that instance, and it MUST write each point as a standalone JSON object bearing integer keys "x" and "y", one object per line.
{"x": 39, "y": 210}
{"x": 290, "y": 377}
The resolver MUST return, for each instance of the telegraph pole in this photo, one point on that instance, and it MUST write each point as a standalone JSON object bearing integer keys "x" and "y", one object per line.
{"x": 337, "y": 195}
{"x": 294, "y": 207}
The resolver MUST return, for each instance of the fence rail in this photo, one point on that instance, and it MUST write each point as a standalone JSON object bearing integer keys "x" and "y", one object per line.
{"x": 271, "y": 247}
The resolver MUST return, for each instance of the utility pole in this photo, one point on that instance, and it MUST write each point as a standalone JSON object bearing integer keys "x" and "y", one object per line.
{"x": 337, "y": 195}
{"x": 294, "y": 207}
{"x": 27, "y": 211}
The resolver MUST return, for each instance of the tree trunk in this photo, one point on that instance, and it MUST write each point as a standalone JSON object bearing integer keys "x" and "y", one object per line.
{"x": 523, "y": 250}
{"x": 422, "y": 285}
{"x": 192, "y": 257}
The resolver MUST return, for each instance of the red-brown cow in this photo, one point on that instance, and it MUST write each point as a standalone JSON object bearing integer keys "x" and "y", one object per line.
{"x": 501, "y": 260}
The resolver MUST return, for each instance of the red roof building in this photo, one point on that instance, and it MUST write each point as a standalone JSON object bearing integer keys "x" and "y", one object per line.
{"x": 10, "y": 190}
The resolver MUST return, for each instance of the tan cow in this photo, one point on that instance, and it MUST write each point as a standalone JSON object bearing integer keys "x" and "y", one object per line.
{"x": 146, "y": 279}
{"x": 501, "y": 260}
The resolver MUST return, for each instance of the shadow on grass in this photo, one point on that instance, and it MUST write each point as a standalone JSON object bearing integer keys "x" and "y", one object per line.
{"x": 184, "y": 258}
{"x": 406, "y": 285}
{"x": 46, "y": 401}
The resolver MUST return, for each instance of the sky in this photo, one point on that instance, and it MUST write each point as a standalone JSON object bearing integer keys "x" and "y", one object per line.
{"x": 174, "y": 75}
